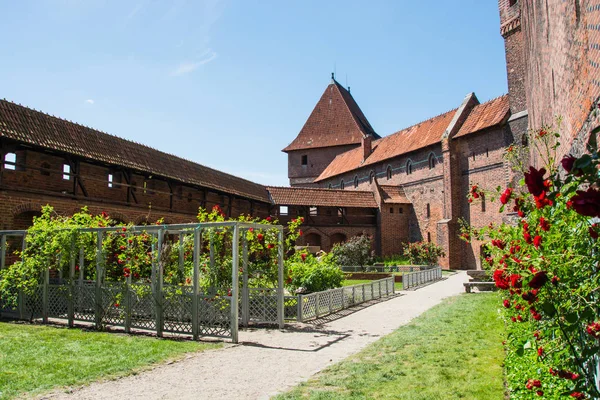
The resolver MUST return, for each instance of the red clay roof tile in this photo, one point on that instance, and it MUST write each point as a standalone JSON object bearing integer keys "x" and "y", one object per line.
{"x": 393, "y": 195}
{"x": 336, "y": 120}
{"x": 321, "y": 197}
{"x": 485, "y": 115}
{"x": 415, "y": 137}
{"x": 36, "y": 128}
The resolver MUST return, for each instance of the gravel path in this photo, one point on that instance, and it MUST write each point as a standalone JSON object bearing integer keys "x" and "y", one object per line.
{"x": 269, "y": 361}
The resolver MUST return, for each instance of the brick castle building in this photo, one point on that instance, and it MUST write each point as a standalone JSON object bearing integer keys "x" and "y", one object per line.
{"x": 345, "y": 178}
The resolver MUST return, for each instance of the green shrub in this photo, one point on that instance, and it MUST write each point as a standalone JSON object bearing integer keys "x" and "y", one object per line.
{"x": 354, "y": 252}
{"x": 308, "y": 273}
{"x": 423, "y": 253}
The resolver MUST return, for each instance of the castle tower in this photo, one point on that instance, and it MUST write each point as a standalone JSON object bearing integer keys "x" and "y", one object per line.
{"x": 336, "y": 125}
{"x": 510, "y": 28}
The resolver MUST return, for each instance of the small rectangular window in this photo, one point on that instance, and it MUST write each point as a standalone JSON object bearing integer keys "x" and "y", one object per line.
{"x": 428, "y": 211}
{"x": 110, "y": 180}
{"x": 391, "y": 210}
{"x": 10, "y": 161}
{"x": 400, "y": 210}
{"x": 304, "y": 160}
{"x": 283, "y": 210}
{"x": 66, "y": 172}
{"x": 313, "y": 211}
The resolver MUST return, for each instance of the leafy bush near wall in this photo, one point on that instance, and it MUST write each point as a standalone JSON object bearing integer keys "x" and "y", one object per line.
{"x": 546, "y": 265}
{"x": 355, "y": 251}
{"x": 310, "y": 274}
{"x": 423, "y": 253}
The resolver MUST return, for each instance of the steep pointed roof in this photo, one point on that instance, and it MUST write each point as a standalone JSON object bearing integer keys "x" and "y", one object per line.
{"x": 335, "y": 121}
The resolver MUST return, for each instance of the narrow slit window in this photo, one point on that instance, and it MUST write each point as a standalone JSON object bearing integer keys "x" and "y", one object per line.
{"x": 408, "y": 167}
{"x": 110, "y": 180}
{"x": 428, "y": 210}
{"x": 356, "y": 181}
{"x": 388, "y": 172}
{"x": 429, "y": 237}
{"x": 371, "y": 176}
{"x": 10, "y": 161}
{"x": 342, "y": 184}
{"x": 66, "y": 172}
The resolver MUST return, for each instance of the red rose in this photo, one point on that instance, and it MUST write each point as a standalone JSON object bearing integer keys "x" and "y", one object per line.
{"x": 506, "y": 303}
{"x": 578, "y": 395}
{"x": 505, "y": 197}
{"x": 567, "y": 162}
{"x": 270, "y": 246}
{"x": 521, "y": 214}
{"x": 537, "y": 316}
{"x": 268, "y": 219}
{"x": 540, "y": 351}
{"x": 540, "y": 392}
{"x": 593, "y": 232}
{"x": 515, "y": 281}
{"x": 500, "y": 279}
{"x": 537, "y": 241}
{"x": 303, "y": 256}
{"x": 251, "y": 230}
{"x": 587, "y": 203}
{"x": 300, "y": 233}
{"x": 529, "y": 297}
{"x": 124, "y": 229}
{"x": 555, "y": 280}
{"x": 535, "y": 181}
{"x": 544, "y": 225}
{"x": 260, "y": 237}
{"x": 527, "y": 237}
{"x": 538, "y": 280}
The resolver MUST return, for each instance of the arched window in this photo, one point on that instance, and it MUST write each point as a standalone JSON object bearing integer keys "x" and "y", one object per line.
{"x": 342, "y": 184}
{"x": 388, "y": 172}
{"x": 432, "y": 161}
{"x": 355, "y": 181}
{"x": 408, "y": 167}
{"x": 329, "y": 186}
{"x": 428, "y": 210}
{"x": 371, "y": 176}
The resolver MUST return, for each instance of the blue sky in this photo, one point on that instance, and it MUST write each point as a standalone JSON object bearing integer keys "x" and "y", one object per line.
{"x": 230, "y": 83}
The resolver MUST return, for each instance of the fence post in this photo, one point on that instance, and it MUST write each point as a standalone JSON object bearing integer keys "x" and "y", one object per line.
{"x": 245, "y": 289}
{"x": 363, "y": 292}
{"x": 71, "y": 304}
{"x": 159, "y": 287}
{"x": 98, "y": 289}
{"x": 235, "y": 286}
{"x": 45, "y": 295}
{"x": 2, "y": 251}
{"x": 195, "y": 278}
{"x": 280, "y": 299}
{"x": 343, "y": 299}
{"x": 330, "y": 301}
{"x": 300, "y": 308}
{"x": 128, "y": 303}
{"x": 317, "y": 305}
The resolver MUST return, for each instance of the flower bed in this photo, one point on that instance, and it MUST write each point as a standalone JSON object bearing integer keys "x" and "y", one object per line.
{"x": 546, "y": 267}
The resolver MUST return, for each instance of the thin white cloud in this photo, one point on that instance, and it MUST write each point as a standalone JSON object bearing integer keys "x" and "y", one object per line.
{"x": 135, "y": 10}
{"x": 190, "y": 66}
{"x": 89, "y": 101}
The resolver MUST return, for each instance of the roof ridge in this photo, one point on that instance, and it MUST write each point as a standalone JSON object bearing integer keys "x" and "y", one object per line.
{"x": 126, "y": 140}
{"x": 319, "y": 189}
{"x": 492, "y": 100}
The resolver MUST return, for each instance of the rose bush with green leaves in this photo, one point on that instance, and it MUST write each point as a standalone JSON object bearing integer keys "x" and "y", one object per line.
{"x": 546, "y": 265}
{"x": 423, "y": 253}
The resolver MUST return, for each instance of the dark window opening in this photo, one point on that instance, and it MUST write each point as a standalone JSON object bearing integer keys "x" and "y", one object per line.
{"x": 432, "y": 161}
{"x": 473, "y": 155}
{"x": 525, "y": 140}
{"x": 371, "y": 176}
{"x": 482, "y": 203}
{"x": 342, "y": 184}
{"x": 408, "y": 167}
{"x": 428, "y": 210}
{"x": 356, "y": 181}
{"x": 45, "y": 169}
{"x": 305, "y": 160}
{"x": 487, "y": 152}
{"x": 400, "y": 210}
{"x": 388, "y": 172}
{"x": 429, "y": 237}
{"x": 391, "y": 210}
{"x": 329, "y": 186}
{"x": 512, "y": 2}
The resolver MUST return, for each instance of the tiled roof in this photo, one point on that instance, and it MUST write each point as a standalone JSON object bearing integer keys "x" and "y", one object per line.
{"x": 485, "y": 115}
{"x": 336, "y": 120}
{"x": 393, "y": 195}
{"x": 417, "y": 136}
{"x": 321, "y": 197}
{"x": 36, "y": 128}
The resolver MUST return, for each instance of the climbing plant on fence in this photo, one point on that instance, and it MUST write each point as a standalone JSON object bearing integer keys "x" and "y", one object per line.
{"x": 546, "y": 267}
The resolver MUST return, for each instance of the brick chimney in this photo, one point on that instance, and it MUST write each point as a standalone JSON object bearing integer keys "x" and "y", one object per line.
{"x": 365, "y": 143}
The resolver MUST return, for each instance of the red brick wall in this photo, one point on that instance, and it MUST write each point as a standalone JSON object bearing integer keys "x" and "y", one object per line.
{"x": 318, "y": 159}
{"x": 24, "y": 190}
{"x": 562, "y": 62}
{"x": 393, "y": 228}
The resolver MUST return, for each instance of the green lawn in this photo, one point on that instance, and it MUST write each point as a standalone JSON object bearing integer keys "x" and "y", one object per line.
{"x": 35, "y": 358}
{"x": 452, "y": 351}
